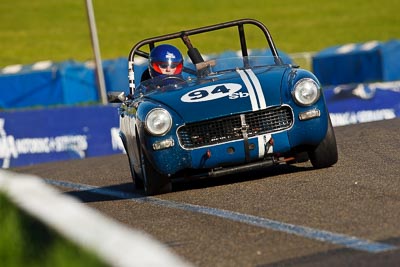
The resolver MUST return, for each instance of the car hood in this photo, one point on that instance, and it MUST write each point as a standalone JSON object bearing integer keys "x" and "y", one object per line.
{"x": 222, "y": 95}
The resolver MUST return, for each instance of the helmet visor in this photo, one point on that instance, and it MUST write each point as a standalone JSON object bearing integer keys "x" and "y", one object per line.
{"x": 167, "y": 67}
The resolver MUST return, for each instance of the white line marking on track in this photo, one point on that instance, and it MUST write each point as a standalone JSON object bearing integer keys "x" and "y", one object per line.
{"x": 303, "y": 231}
{"x": 115, "y": 243}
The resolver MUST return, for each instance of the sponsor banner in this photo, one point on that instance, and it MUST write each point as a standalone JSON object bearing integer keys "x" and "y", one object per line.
{"x": 358, "y": 103}
{"x": 36, "y": 136}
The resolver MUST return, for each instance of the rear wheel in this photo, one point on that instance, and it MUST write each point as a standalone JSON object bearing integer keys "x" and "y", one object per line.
{"x": 153, "y": 182}
{"x": 325, "y": 154}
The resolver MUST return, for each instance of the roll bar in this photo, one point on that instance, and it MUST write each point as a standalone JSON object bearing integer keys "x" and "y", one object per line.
{"x": 193, "y": 53}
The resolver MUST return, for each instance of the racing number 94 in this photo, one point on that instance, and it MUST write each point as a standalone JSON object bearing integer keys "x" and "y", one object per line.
{"x": 211, "y": 92}
{"x": 204, "y": 93}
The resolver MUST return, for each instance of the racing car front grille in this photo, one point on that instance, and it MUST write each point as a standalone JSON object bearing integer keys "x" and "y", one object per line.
{"x": 231, "y": 128}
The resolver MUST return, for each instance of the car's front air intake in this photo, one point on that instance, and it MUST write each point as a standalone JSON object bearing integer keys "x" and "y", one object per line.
{"x": 230, "y": 128}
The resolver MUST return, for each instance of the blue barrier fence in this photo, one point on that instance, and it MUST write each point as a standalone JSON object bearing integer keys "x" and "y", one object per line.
{"x": 358, "y": 63}
{"x": 46, "y": 86}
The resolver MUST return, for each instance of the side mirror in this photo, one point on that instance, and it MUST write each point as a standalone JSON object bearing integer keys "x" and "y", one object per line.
{"x": 116, "y": 97}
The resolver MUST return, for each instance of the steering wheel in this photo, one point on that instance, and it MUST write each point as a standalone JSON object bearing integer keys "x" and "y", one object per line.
{"x": 172, "y": 79}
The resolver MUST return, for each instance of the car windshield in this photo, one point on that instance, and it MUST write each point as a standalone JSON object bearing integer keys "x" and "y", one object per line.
{"x": 210, "y": 69}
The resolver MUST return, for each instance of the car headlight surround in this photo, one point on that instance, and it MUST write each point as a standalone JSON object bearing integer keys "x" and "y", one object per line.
{"x": 158, "y": 121}
{"x": 306, "y": 92}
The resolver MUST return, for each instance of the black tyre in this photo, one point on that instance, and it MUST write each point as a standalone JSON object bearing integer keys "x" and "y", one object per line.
{"x": 325, "y": 154}
{"x": 154, "y": 183}
{"x": 137, "y": 182}
{"x": 135, "y": 178}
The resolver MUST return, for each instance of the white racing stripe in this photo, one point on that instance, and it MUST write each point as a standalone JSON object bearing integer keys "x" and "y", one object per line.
{"x": 257, "y": 100}
{"x": 257, "y": 86}
{"x": 250, "y": 89}
{"x": 254, "y": 89}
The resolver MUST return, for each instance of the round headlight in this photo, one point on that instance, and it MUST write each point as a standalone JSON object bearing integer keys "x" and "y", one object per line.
{"x": 306, "y": 92}
{"x": 158, "y": 121}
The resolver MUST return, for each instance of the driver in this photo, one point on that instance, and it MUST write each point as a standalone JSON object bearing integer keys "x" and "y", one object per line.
{"x": 165, "y": 59}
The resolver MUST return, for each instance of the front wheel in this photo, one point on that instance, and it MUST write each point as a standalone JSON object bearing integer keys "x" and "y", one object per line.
{"x": 136, "y": 180}
{"x": 154, "y": 183}
{"x": 138, "y": 184}
{"x": 325, "y": 154}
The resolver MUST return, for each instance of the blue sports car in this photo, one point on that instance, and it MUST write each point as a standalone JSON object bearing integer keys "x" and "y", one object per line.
{"x": 217, "y": 115}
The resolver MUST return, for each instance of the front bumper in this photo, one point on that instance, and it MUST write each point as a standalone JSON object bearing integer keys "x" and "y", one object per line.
{"x": 170, "y": 155}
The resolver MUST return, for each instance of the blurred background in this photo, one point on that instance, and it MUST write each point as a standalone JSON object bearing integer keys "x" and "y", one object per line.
{"x": 33, "y": 31}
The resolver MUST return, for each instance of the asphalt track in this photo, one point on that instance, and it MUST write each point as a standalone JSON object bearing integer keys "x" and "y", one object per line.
{"x": 346, "y": 215}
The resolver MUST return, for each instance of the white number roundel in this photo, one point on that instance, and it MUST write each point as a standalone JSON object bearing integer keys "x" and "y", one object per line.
{"x": 211, "y": 92}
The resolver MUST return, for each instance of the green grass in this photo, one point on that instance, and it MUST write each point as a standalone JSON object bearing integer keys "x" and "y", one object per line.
{"x": 24, "y": 241}
{"x": 32, "y": 31}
